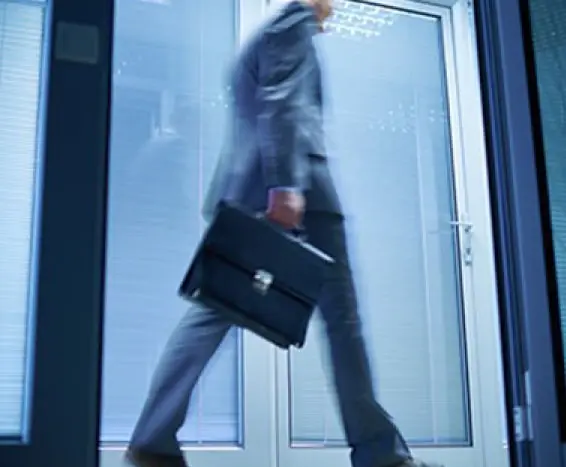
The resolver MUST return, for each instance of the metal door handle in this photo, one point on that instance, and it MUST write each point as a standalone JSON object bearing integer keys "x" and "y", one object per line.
{"x": 467, "y": 226}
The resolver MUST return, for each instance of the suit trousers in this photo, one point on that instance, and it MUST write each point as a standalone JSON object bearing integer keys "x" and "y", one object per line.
{"x": 373, "y": 437}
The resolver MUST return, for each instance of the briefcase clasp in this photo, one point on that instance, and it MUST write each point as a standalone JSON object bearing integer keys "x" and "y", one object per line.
{"x": 262, "y": 281}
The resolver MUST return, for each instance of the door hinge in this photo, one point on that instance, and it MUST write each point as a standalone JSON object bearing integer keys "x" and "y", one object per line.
{"x": 520, "y": 424}
{"x": 466, "y": 229}
{"x": 522, "y": 415}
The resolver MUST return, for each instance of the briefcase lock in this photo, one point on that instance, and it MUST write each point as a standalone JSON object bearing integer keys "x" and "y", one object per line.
{"x": 262, "y": 281}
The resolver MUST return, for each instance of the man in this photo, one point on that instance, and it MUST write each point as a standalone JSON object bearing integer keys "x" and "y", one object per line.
{"x": 276, "y": 164}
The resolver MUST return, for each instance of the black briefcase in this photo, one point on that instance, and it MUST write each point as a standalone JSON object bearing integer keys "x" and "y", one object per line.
{"x": 257, "y": 275}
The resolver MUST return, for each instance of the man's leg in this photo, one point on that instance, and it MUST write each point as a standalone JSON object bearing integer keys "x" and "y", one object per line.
{"x": 374, "y": 438}
{"x": 190, "y": 347}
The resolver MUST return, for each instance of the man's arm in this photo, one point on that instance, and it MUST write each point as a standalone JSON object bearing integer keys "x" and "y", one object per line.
{"x": 285, "y": 62}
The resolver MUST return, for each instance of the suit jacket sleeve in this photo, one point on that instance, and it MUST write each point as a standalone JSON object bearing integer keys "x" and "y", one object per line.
{"x": 286, "y": 61}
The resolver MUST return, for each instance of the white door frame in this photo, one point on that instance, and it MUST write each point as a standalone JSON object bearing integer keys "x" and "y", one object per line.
{"x": 482, "y": 319}
{"x": 485, "y": 382}
{"x": 257, "y": 380}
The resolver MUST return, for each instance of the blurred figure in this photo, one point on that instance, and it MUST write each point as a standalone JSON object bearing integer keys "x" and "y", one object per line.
{"x": 275, "y": 161}
{"x": 169, "y": 158}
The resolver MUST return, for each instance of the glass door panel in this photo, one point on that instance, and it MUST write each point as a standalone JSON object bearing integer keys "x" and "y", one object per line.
{"x": 392, "y": 145}
{"x": 391, "y": 129}
{"x": 168, "y": 116}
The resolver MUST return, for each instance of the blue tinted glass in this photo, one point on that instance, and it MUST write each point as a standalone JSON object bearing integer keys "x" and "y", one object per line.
{"x": 390, "y": 146}
{"x": 548, "y": 20}
{"x": 168, "y": 113}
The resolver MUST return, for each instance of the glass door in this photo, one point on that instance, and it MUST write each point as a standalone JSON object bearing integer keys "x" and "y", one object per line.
{"x": 411, "y": 169}
{"x": 169, "y": 106}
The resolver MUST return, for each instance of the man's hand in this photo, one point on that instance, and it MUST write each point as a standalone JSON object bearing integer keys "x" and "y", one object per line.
{"x": 286, "y": 207}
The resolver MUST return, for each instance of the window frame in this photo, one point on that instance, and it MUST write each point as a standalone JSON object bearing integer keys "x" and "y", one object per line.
{"x": 512, "y": 141}
{"x": 66, "y": 317}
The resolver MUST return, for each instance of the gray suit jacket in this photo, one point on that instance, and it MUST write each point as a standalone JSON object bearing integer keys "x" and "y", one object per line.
{"x": 276, "y": 137}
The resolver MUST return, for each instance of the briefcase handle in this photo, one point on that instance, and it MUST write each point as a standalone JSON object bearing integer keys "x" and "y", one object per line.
{"x": 298, "y": 233}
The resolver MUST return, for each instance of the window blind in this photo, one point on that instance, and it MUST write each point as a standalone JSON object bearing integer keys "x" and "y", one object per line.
{"x": 21, "y": 31}
{"x": 168, "y": 112}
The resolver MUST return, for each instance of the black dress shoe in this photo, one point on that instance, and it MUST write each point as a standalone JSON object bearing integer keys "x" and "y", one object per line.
{"x": 141, "y": 458}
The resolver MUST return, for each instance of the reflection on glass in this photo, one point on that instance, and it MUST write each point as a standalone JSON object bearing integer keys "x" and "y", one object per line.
{"x": 21, "y": 37}
{"x": 389, "y": 133}
{"x": 168, "y": 113}
{"x": 548, "y": 19}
